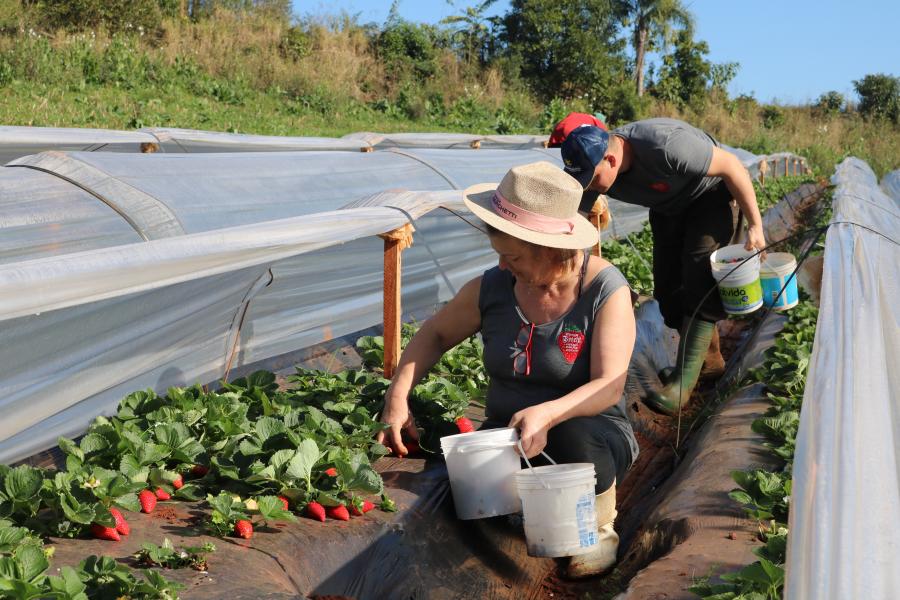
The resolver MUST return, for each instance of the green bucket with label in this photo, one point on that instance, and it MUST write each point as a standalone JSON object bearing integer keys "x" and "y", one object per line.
{"x": 739, "y": 286}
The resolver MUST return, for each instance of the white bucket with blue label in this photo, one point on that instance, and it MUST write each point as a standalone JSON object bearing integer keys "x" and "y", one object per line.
{"x": 558, "y": 509}
{"x": 777, "y": 272}
{"x": 738, "y": 281}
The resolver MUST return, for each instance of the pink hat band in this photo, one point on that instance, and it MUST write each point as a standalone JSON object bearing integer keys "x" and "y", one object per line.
{"x": 527, "y": 219}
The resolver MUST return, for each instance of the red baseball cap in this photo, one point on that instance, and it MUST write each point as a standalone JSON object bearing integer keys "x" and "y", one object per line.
{"x": 572, "y": 121}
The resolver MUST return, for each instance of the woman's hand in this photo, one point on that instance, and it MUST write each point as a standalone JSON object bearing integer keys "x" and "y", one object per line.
{"x": 533, "y": 423}
{"x": 397, "y": 415}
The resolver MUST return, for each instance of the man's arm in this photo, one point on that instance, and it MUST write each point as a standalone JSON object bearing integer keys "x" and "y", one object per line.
{"x": 727, "y": 166}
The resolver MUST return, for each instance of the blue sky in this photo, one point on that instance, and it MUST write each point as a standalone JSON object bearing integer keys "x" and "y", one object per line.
{"x": 790, "y": 51}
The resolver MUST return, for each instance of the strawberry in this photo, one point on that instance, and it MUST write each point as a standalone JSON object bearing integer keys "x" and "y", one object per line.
{"x": 162, "y": 494}
{"x": 244, "y": 529}
{"x": 570, "y": 342}
{"x": 314, "y": 510}
{"x": 102, "y": 532}
{"x": 178, "y": 483}
{"x": 359, "y": 511}
{"x": 412, "y": 447}
{"x": 332, "y": 472}
{"x": 199, "y": 470}
{"x": 338, "y": 512}
{"x": 464, "y": 425}
{"x": 285, "y": 503}
{"x": 121, "y": 524}
{"x": 147, "y": 500}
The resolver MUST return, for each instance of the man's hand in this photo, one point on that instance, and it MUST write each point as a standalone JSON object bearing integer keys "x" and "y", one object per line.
{"x": 533, "y": 423}
{"x": 397, "y": 415}
{"x": 756, "y": 239}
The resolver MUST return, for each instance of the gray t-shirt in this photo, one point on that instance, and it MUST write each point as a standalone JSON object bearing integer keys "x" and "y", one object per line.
{"x": 670, "y": 160}
{"x": 560, "y": 349}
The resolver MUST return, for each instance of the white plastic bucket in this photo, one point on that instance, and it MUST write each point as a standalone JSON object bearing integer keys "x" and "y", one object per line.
{"x": 481, "y": 465}
{"x": 558, "y": 509}
{"x": 739, "y": 290}
{"x": 777, "y": 272}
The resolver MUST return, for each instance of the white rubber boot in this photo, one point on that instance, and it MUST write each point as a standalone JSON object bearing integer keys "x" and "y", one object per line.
{"x": 603, "y": 557}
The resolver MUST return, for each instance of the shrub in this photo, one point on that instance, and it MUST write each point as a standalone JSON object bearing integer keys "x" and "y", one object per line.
{"x": 772, "y": 117}
{"x": 879, "y": 97}
{"x": 830, "y": 103}
{"x": 407, "y": 47}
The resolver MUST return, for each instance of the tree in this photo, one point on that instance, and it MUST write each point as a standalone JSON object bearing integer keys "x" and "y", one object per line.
{"x": 652, "y": 24}
{"x": 474, "y": 30}
{"x": 879, "y": 96}
{"x": 566, "y": 48}
{"x": 686, "y": 77}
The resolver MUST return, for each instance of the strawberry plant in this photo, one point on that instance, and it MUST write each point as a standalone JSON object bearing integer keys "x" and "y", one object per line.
{"x": 170, "y": 557}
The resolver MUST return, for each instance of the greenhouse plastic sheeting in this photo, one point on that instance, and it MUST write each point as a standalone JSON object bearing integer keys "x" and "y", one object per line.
{"x": 192, "y": 140}
{"x": 845, "y": 505}
{"x": 164, "y": 312}
{"x": 447, "y": 140}
{"x": 22, "y": 141}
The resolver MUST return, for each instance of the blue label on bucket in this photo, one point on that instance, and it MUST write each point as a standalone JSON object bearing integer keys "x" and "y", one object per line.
{"x": 771, "y": 287}
{"x": 586, "y": 520}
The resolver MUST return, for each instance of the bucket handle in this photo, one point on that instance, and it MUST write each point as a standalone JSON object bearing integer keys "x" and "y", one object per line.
{"x": 528, "y": 462}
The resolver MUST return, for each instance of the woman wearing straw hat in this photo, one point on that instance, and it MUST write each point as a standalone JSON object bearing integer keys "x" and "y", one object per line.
{"x": 558, "y": 331}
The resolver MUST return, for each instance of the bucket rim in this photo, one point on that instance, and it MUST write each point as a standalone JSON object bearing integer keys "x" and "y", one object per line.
{"x": 559, "y": 474}
{"x": 502, "y": 434}
{"x": 781, "y": 260}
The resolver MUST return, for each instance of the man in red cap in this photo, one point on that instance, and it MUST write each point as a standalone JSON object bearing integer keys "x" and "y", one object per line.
{"x": 687, "y": 181}
{"x": 572, "y": 121}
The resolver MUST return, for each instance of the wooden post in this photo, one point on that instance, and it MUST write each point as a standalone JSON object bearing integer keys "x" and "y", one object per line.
{"x": 785, "y": 166}
{"x": 795, "y": 167}
{"x": 366, "y": 149}
{"x": 763, "y": 169}
{"x": 475, "y": 144}
{"x": 599, "y": 217}
{"x": 394, "y": 243}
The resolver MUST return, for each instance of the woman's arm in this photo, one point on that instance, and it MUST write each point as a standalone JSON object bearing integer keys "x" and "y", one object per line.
{"x": 456, "y": 321}
{"x": 611, "y": 345}
{"x": 726, "y": 165}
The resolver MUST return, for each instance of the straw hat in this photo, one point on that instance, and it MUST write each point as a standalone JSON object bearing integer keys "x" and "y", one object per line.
{"x": 537, "y": 203}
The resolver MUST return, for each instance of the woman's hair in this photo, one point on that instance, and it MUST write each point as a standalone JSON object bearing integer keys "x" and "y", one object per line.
{"x": 564, "y": 257}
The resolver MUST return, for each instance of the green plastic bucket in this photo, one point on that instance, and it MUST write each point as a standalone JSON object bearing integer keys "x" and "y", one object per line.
{"x": 739, "y": 288}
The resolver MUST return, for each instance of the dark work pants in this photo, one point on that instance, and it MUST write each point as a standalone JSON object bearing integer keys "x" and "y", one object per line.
{"x": 594, "y": 440}
{"x": 682, "y": 244}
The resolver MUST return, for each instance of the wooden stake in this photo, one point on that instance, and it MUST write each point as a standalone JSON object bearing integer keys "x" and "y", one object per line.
{"x": 763, "y": 169}
{"x": 366, "y": 149}
{"x": 785, "y": 167}
{"x": 394, "y": 243}
{"x": 475, "y": 144}
{"x": 599, "y": 217}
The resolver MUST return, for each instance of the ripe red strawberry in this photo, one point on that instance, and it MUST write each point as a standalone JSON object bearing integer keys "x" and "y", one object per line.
{"x": 104, "y": 533}
{"x": 243, "y": 529}
{"x": 570, "y": 342}
{"x": 178, "y": 483}
{"x": 314, "y": 510}
{"x": 338, "y": 512}
{"x": 162, "y": 494}
{"x": 122, "y": 525}
{"x": 332, "y": 472}
{"x": 199, "y": 470}
{"x": 285, "y": 503}
{"x": 412, "y": 447}
{"x": 464, "y": 425}
{"x": 358, "y": 512}
{"x": 147, "y": 500}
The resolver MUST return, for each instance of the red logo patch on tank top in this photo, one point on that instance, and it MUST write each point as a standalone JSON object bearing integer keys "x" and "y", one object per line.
{"x": 660, "y": 186}
{"x": 570, "y": 342}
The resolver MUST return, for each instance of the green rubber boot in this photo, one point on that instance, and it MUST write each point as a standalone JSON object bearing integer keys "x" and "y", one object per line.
{"x": 692, "y": 350}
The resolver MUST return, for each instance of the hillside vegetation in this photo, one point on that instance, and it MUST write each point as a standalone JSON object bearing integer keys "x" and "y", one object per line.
{"x": 254, "y": 70}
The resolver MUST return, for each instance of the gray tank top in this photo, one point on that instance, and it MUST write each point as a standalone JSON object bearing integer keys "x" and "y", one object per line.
{"x": 560, "y": 349}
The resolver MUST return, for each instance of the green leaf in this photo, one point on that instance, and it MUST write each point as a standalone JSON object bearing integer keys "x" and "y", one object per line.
{"x": 23, "y": 483}
{"x": 270, "y": 508}
{"x": 300, "y": 466}
{"x": 132, "y": 468}
{"x": 70, "y": 448}
{"x": 76, "y": 511}
{"x": 68, "y": 584}
{"x": 93, "y": 443}
{"x": 268, "y": 427}
{"x": 32, "y": 562}
{"x": 10, "y": 537}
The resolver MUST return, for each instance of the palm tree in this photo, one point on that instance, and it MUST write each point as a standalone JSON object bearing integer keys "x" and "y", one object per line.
{"x": 653, "y": 22}
{"x": 473, "y": 28}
